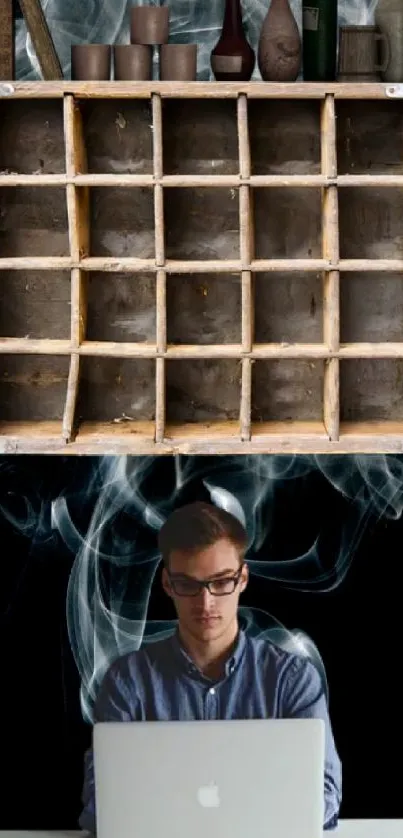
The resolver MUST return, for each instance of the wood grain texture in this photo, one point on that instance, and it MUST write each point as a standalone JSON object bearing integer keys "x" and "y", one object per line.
{"x": 6, "y": 40}
{"x": 41, "y": 39}
{"x": 200, "y": 269}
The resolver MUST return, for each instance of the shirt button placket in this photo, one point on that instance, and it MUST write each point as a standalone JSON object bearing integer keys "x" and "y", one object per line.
{"x": 211, "y": 704}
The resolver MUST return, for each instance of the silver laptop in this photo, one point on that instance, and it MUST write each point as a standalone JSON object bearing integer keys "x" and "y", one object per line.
{"x": 255, "y": 778}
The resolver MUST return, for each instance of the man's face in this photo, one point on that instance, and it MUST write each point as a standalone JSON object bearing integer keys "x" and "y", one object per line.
{"x": 205, "y": 616}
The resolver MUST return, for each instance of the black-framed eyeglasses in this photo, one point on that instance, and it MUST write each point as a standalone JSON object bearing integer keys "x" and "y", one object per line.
{"x": 222, "y": 586}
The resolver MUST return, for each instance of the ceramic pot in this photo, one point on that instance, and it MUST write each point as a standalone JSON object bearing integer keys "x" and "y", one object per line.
{"x": 280, "y": 46}
{"x": 389, "y": 20}
{"x": 178, "y": 62}
{"x": 132, "y": 62}
{"x": 359, "y": 54}
{"x": 91, "y": 62}
{"x": 149, "y": 25}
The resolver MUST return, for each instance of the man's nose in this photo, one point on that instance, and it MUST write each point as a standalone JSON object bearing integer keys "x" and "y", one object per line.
{"x": 205, "y": 596}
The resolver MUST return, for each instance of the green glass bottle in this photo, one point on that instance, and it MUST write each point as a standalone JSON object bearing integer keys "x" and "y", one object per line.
{"x": 319, "y": 39}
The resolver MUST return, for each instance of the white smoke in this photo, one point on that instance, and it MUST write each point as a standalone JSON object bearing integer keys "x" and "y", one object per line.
{"x": 113, "y": 574}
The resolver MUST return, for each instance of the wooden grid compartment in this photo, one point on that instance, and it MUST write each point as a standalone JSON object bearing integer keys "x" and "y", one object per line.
{"x": 201, "y": 268}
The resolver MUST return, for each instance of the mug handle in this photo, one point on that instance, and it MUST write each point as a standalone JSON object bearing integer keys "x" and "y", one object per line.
{"x": 380, "y": 36}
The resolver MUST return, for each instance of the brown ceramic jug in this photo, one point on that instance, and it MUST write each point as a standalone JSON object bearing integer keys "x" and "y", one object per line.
{"x": 280, "y": 46}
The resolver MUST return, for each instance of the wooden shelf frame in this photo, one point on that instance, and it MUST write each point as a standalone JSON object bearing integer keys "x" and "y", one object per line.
{"x": 160, "y": 436}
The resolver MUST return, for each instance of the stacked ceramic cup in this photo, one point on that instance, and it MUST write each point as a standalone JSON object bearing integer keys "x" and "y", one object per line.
{"x": 149, "y": 27}
{"x": 149, "y": 33}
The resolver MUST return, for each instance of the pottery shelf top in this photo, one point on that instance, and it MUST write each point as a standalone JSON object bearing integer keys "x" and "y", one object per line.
{"x": 198, "y": 90}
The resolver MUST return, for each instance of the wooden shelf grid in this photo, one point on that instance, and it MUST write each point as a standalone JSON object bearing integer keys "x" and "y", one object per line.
{"x": 200, "y": 268}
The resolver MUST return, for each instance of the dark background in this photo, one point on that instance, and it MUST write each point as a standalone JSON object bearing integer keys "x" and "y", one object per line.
{"x": 350, "y": 604}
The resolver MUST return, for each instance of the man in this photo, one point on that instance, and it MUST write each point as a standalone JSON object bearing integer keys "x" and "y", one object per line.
{"x": 210, "y": 669}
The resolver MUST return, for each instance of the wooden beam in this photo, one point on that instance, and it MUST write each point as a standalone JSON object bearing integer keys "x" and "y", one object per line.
{"x": 42, "y": 40}
{"x": 6, "y": 40}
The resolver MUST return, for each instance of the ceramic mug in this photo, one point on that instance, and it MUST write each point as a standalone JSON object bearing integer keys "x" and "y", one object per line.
{"x": 358, "y": 53}
{"x": 91, "y": 62}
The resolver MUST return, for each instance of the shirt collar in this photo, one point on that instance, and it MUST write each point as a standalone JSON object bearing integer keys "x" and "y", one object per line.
{"x": 190, "y": 666}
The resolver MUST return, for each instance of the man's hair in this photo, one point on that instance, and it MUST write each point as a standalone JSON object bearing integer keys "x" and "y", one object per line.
{"x": 197, "y": 526}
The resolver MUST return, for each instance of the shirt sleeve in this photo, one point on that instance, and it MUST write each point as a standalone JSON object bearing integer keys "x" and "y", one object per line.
{"x": 116, "y": 702}
{"x": 304, "y": 698}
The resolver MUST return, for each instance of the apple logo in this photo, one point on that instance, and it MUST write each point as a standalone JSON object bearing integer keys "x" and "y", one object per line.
{"x": 208, "y": 796}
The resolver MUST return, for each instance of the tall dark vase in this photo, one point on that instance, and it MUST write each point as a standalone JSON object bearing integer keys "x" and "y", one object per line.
{"x": 319, "y": 38}
{"x": 232, "y": 58}
{"x": 280, "y": 46}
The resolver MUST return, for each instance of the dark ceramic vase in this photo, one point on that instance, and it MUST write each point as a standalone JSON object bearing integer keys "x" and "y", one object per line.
{"x": 280, "y": 46}
{"x": 232, "y": 58}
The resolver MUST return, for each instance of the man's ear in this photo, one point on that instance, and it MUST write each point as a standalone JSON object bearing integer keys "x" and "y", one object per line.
{"x": 244, "y": 577}
{"x": 166, "y": 583}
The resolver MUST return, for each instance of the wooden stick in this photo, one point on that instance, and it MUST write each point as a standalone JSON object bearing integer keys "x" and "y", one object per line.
{"x": 246, "y": 400}
{"x": 79, "y": 237}
{"x": 158, "y": 189}
{"x": 77, "y": 196}
{"x": 243, "y": 137}
{"x": 157, "y": 136}
{"x": 71, "y": 398}
{"x": 42, "y": 40}
{"x": 246, "y": 229}
{"x": 160, "y": 400}
{"x": 204, "y": 90}
{"x": 6, "y": 40}
{"x": 161, "y": 336}
{"x": 79, "y": 291}
{"x": 330, "y": 250}
{"x": 261, "y": 351}
{"x": 206, "y": 181}
{"x": 111, "y": 264}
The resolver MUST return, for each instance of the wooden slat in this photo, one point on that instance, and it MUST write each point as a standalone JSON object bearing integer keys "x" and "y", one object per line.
{"x": 247, "y": 255}
{"x": 158, "y": 189}
{"x": 6, "y": 41}
{"x": 374, "y": 181}
{"x": 268, "y": 351}
{"x": 161, "y": 347}
{"x": 71, "y": 398}
{"x": 77, "y": 197}
{"x": 160, "y": 400}
{"x": 161, "y": 320}
{"x": 373, "y": 265}
{"x": 137, "y": 438}
{"x": 76, "y": 153}
{"x": 79, "y": 238}
{"x": 161, "y": 336}
{"x": 30, "y": 346}
{"x": 205, "y": 181}
{"x": 32, "y": 180}
{"x": 158, "y": 164}
{"x": 330, "y": 250}
{"x": 224, "y": 266}
{"x": 243, "y": 137}
{"x": 79, "y": 308}
{"x": 35, "y": 263}
{"x": 246, "y": 400}
{"x": 41, "y": 39}
{"x": 199, "y": 90}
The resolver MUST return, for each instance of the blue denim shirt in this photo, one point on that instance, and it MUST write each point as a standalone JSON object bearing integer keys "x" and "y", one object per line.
{"x": 160, "y": 682}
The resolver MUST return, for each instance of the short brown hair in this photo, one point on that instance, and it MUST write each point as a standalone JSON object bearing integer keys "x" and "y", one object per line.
{"x": 199, "y": 525}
